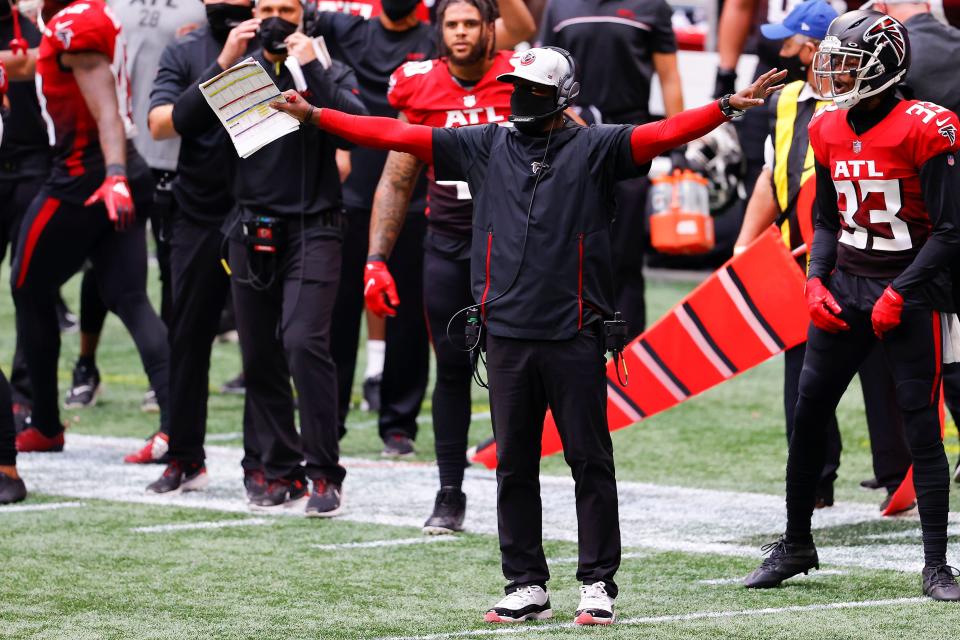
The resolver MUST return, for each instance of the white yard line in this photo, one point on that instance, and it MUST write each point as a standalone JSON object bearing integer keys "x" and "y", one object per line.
{"x": 653, "y": 517}
{"x": 376, "y": 544}
{"x": 721, "y": 581}
{"x": 658, "y": 620}
{"x": 49, "y": 506}
{"x": 196, "y": 526}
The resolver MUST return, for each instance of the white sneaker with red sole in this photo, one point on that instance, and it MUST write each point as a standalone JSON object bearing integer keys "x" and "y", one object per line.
{"x": 596, "y": 607}
{"x": 153, "y": 452}
{"x": 526, "y": 603}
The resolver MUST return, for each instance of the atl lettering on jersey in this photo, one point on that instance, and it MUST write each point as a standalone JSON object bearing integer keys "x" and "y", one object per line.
{"x": 426, "y": 93}
{"x": 884, "y": 221}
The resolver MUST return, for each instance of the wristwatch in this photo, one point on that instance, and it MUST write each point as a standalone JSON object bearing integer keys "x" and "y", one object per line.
{"x": 727, "y": 109}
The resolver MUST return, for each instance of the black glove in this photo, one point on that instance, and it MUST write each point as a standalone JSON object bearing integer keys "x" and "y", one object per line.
{"x": 726, "y": 82}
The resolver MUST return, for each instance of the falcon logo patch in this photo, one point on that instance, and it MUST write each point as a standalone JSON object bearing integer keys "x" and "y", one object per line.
{"x": 949, "y": 132}
{"x": 888, "y": 32}
{"x": 64, "y": 33}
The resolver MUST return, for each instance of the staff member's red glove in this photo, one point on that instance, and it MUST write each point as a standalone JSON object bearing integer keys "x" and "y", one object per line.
{"x": 824, "y": 310}
{"x": 114, "y": 193}
{"x": 379, "y": 289}
{"x": 886, "y": 311}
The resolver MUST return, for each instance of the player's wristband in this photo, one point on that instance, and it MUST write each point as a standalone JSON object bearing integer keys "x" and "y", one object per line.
{"x": 727, "y": 109}
{"x": 376, "y": 257}
{"x": 116, "y": 169}
{"x": 309, "y": 118}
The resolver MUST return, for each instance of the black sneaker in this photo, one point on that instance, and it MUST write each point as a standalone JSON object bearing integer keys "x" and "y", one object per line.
{"x": 448, "y": 511}
{"x": 11, "y": 489}
{"x": 85, "y": 388}
{"x": 281, "y": 492}
{"x": 235, "y": 387}
{"x": 397, "y": 446}
{"x": 177, "y": 478}
{"x": 326, "y": 499}
{"x": 886, "y": 503}
{"x": 21, "y": 416}
{"x": 255, "y": 483}
{"x": 371, "y": 393}
{"x": 940, "y": 583}
{"x": 785, "y": 561}
{"x": 871, "y": 483}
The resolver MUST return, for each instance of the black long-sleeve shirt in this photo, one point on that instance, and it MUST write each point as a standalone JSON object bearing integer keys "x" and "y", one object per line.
{"x": 297, "y": 174}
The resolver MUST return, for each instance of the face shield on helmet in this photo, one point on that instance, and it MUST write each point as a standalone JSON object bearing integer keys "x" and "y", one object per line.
{"x": 856, "y": 68}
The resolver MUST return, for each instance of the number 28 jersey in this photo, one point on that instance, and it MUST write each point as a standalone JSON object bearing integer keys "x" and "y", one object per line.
{"x": 427, "y": 94}
{"x": 883, "y": 216}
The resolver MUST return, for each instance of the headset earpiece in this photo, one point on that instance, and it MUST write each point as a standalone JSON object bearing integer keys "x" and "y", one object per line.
{"x": 568, "y": 88}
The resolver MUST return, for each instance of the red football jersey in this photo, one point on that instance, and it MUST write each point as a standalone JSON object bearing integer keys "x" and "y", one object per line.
{"x": 82, "y": 27}
{"x": 883, "y": 218}
{"x": 426, "y": 93}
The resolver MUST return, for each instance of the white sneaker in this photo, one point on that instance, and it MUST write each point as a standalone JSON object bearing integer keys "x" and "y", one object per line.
{"x": 526, "y": 603}
{"x": 596, "y": 607}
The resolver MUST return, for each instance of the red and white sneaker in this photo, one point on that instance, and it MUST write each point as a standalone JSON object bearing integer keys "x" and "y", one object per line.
{"x": 31, "y": 439}
{"x": 154, "y": 451}
{"x": 596, "y": 607}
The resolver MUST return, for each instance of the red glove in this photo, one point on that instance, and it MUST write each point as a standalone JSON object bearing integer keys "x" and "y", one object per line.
{"x": 114, "y": 193}
{"x": 886, "y": 311}
{"x": 824, "y": 310}
{"x": 379, "y": 290}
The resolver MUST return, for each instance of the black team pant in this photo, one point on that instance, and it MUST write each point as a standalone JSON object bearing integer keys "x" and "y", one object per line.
{"x": 913, "y": 353}
{"x": 8, "y": 445}
{"x": 15, "y": 199}
{"x": 285, "y": 330}
{"x": 446, "y": 291}
{"x": 569, "y": 377}
{"x": 56, "y": 238}
{"x": 199, "y": 290}
{"x": 629, "y": 239}
{"x": 406, "y": 366}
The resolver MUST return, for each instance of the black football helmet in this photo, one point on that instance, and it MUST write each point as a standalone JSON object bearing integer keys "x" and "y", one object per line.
{"x": 864, "y": 52}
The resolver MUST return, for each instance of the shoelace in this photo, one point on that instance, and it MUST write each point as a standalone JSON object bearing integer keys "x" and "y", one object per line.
{"x": 596, "y": 592}
{"x": 517, "y": 597}
{"x": 943, "y": 575}
{"x": 775, "y": 549}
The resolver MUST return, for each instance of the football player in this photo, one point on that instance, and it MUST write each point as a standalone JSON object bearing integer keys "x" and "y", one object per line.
{"x": 888, "y": 195}
{"x": 458, "y": 89}
{"x": 87, "y": 208}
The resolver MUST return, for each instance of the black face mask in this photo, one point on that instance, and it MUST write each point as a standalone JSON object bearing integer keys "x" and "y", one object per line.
{"x": 524, "y": 103}
{"x": 223, "y": 17}
{"x": 396, "y": 9}
{"x": 796, "y": 70}
{"x": 273, "y": 33}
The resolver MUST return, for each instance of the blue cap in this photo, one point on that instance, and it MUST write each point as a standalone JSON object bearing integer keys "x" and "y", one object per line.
{"x": 811, "y": 18}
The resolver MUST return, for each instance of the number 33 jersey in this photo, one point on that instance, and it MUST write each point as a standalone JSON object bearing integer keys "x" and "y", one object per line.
{"x": 884, "y": 218}
{"x": 426, "y": 93}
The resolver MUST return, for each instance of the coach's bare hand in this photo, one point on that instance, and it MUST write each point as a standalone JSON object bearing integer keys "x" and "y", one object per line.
{"x": 754, "y": 95}
{"x": 237, "y": 42}
{"x": 294, "y": 104}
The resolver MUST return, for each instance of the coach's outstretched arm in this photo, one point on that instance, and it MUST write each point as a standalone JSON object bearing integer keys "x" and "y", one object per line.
{"x": 650, "y": 140}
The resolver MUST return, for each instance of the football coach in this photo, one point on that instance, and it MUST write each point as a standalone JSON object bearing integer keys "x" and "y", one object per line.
{"x": 543, "y": 286}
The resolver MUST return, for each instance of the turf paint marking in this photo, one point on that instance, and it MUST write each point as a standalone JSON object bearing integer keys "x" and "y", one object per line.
{"x": 50, "y": 506}
{"x": 653, "y": 518}
{"x": 722, "y": 581}
{"x": 657, "y": 620}
{"x": 196, "y": 526}
{"x": 376, "y": 544}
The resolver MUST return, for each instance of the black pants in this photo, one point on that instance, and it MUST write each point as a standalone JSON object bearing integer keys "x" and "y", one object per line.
{"x": 8, "y": 436}
{"x": 406, "y": 365}
{"x": 792, "y": 366}
{"x": 55, "y": 240}
{"x": 888, "y": 439}
{"x": 629, "y": 241}
{"x": 93, "y": 311}
{"x": 199, "y": 291}
{"x": 15, "y": 199}
{"x": 912, "y": 352}
{"x": 285, "y": 330}
{"x": 446, "y": 291}
{"x": 569, "y": 377}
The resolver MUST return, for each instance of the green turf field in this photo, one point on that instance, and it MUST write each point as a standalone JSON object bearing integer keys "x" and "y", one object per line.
{"x": 88, "y": 556}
